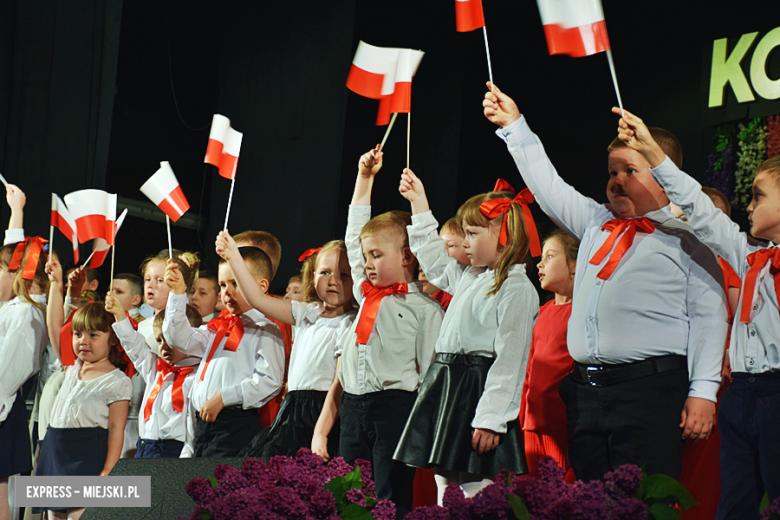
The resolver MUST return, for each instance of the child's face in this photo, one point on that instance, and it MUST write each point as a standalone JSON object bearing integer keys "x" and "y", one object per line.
{"x": 385, "y": 264}
{"x": 231, "y": 297}
{"x": 764, "y": 208}
{"x": 555, "y": 273}
{"x": 203, "y": 296}
{"x": 481, "y": 244}
{"x": 454, "y": 246}
{"x": 294, "y": 291}
{"x": 631, "y": 189}
{"x": 168, "y": 353}
{"x": 428, "y": 287}
{"x": 121, "y": 289}
{"x": 333, "y": 279}
{"x": 155, "y": 289}
{"x": 91, "y": 346}
{"x": 6, "y": 284}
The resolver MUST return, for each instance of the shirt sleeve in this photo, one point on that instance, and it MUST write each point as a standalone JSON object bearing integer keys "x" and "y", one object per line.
{"x": 500, "y": 401}
{"x": 427, "y": 334}
{"x": 568, "y": 208}
{"x": 710, "y": 225}
{"x": 178, "y": 332}
{"x": 268, "y": 376}
{"x": 20, "y": 352}
{"x": 440, "y": 268}
{"x": 121, "y": 390}
{"x": 345, "y": 329}
{"x": 12, "y": 236}
{"x": 188, "y": 451}
{"x": 134, "y": 343}
{"x": 356, "y": 219}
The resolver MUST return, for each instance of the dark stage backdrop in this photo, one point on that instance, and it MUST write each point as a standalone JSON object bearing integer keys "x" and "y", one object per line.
{"x": 95, "y": 93}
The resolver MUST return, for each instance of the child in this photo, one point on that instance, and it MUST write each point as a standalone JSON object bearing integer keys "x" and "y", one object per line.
{"x": 453, "y": 235}
{"x": 543, "y": 414}
{"x": 243, "y": 358}
{"x": 322, "y": 323}
{"x": 205, "y": 294}
{"x": 385, "y": 360}
{"x": 22, "y": 341}
{"x": 128, "y": 289}
{"x": 464, "y": 422}
{"x": 265, "y": 241}
{"x": 87, "y": 423}
{"x": 749, "y": 409}
{"x": 294, "y": 289}
{"x": 163, "y": 424}
{"x": 648, "y": 320}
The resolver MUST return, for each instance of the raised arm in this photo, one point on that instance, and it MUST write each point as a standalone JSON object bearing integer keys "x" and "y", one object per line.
{"x": 16, "y": 201}
{"x": 132, "y": 341}
{"x": 55, "y": 314}
{"x": 275, "y": 308}
{"x": 176, "y": 327}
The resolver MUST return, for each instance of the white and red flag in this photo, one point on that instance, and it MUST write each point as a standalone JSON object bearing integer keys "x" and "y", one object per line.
{"x": 62, "y": 220}
{"x": 469, "y": 15}
{"x": 372, "y": 74}
{"x": 400, "y": 101}
{"x": 100, "y": 247}
{"x": 574, "y": 27}
{"x": 164, "y": 190}
{"x": 224, "y": 146}
{"x": 94, "y": 212}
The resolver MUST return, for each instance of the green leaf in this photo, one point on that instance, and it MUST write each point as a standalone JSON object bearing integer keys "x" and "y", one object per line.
{"x": 337, "y": 489}
{"x": 764, "y": 504}
{"x": 371, "y": 502}
{"x": 663, "y": 486}
{"x": 355, "y": 512}
{"x": 353, "y": 480}
{"x": 518, "y": 507}
{"x": 214, "y": 482}
{"x": 205, "y": 515}
{"x": 660, "y": 511}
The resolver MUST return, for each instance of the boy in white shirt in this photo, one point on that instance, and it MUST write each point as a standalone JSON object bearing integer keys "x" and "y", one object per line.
{"x": 243, "y": 359}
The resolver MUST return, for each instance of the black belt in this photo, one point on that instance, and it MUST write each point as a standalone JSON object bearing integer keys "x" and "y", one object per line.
{"x": 608, "y": 375}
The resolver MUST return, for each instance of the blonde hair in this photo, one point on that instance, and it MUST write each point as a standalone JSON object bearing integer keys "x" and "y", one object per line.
{"x": 452, "y": 227}
{"x": 770, "y": 166}
{"x": 163, "y": 256}
{"x": 516, "y": 249}
{"x": 391, "y": 226}
{"x": 94, "y": 317}
{"x": 193, "y": 316}
{"x": 265, "y": 241}
{"x": 257, "y": 262}
{"x": 666, "y": 140}
{"x": 309, "y": 269}
{"x": 21, "y": 287}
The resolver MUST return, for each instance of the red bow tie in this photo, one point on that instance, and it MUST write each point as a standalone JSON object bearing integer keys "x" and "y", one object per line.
{"x": 618, "y": 226}
{"x": 757, "y": 262}
{"x": 225, "y": 324}
{"x": 373, "y": 297}
{"x": 177, "y": 394}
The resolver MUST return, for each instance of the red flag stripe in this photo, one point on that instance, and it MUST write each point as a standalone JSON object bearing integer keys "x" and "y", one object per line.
{"x": 365, "y": 83}
{"x": 577, "y": 41}
{"x": 227, "y": 166}
{"x": 469, "y": 15}
{"x": 214, "y": 152}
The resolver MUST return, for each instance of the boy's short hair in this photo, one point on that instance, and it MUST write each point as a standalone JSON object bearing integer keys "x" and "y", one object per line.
{"x": 257, "y": 261}
{"x": 192, "y": 315}
{"x": 718, "y": 196}
{"x": 265, "y": 241}
{"x": 295, "y": 278}
{"x": 391, "y": 226}
{"x": 134, "y": 281}
{"x": 91, "y": 274}
{"x": 665, "y": 139}
{"x": 772, "y": 167}
{"x": 452, "y": 227}
{"x": 210, "y": 276}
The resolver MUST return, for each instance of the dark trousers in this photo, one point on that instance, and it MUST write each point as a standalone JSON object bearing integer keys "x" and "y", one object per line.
{"x": 233, "y": 429}
{"x": 633, "y": 422}
{"x": 749, "y": 422}
{"x": 158, "y": 449}
{"x": 371, "y": 425}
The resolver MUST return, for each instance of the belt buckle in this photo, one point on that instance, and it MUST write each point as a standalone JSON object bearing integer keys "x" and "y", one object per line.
{"x": 593, "y": 371}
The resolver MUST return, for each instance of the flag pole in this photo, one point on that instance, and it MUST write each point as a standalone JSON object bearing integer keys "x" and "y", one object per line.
{"x": 51, "y": 239}
{"x": 113, "y": 251}
{"x": 170, "y": 245}
{"x": 230, "y": 199}
{"x": 408, "y": 135}
{"x": 614, "y": 81}
{"x": 389, "y": 127}
{"x": 487, "y": 51}
{"x": 86, "y": 262}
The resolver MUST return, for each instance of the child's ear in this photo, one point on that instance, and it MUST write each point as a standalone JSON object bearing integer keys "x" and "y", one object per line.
{"x": 136, "y": 301}
{"x": 407, "y": 258}
{"x": 113, "y": 340}
{"x": 264, "y": 284}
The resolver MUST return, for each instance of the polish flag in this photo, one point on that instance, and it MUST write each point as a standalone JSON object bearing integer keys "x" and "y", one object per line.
{"x": 100, "y": 246}
{"x": 468, "y": 15}
{"x": 574, "y": 27}
{"x": 400, "y": 101}
{"x": 62, "y": 220}
{"x": 94, "y": 212}
{"x": 163, "y": 189}
{"x": 373, "y": 71}
{"x": 224, "y": 146}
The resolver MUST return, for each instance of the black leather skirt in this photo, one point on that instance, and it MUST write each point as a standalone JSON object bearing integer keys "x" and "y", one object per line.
{"x": 439, "y": 430}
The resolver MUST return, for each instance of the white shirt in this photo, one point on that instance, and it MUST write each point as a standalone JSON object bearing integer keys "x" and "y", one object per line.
{"x": 665, "y": 297}
{"x": 317, "y": 347}
{"x": 23, "y": 337}
{"x": 499, "y": 326}
{"x": 84, "y": 404}
{"x": 164, "y": 421}
{"x": 249, "y": 377}
{"x": 400, "y": 348}
{"x": 755, "y": 346}
{"x": 12, "y": 236}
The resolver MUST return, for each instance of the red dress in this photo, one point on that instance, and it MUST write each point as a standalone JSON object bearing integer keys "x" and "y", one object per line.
{"x": 542, "y": 412}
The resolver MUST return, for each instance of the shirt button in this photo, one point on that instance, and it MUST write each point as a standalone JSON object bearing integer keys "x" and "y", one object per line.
{"x": 598, "y": 282}
{"x": 755, "y": 306}
{"x": 750, "y": 362}
{"x": 752, "y": 333}
{"x": 751, "y": 379}
{"x": 761, "y": 279}
{"x": 361, "y": 362}
{"x": 590, "y": 318}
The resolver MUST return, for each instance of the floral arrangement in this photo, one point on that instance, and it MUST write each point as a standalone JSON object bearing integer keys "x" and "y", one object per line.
{"x": 770, "y": 511}
{"x": 752, "y": 143}
{"x": 624, "y": 494}
{"x": 284, "y": 488}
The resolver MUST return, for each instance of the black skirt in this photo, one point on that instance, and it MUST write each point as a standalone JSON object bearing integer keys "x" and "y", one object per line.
{"x": 439, "y": 432}
{"x": 71, "y": 452}
{"x": 16, "y": 454}
{"x": 293, "y": 427}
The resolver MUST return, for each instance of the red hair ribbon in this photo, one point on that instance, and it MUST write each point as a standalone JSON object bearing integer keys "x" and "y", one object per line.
{"x": 757, "y": 262}
{"x": 502, "y": 185}
{"x": 177, "y": 394}
{"x": 618, "y": 226}
{"x": 373, "y": 297}
{"x": 309, "y": 252}
{"x": 225, "y": 324}
{"x": 494, "y": 208}
{"x": 31, "y": 265}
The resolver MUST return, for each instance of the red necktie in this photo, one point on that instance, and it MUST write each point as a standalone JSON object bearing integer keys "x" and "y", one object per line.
{"x": 757, "y": 262}
{"x": 225, "y": 324}
{"x": 373, "y": 297}
{"x": 618, "y": 226}
{"x": 177, "y": 394}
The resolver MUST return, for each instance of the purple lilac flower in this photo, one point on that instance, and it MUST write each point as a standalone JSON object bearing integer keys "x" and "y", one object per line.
{"x": 626, "y": 478}
{"x": 355, "y": 496}
{"x": 428, "y": 513}
{"x": 201, "y": 491}
{"x": 774, "y": 508}
{"x": 384, "y": 510}
{"x": 230, "y": 479}
{"x": 253, "y": 470}
{"x": 285, "y": 501}
{"x": 491, "y": 502}
{"x": 322, "y": 504}
{"x": 366, "y": 476}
